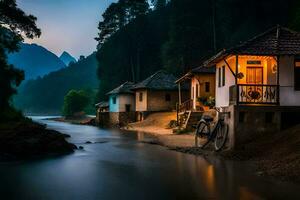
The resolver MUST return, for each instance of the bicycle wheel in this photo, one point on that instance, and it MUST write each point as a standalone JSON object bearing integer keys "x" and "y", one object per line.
{"x": 221, "y": 136}
{"x": 203, "y": 130}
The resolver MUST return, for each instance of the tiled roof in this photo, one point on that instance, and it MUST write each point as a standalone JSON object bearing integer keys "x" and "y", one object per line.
{"x": 102, "y": 104}
{"x": 125, "y": 88}
{"x": 198, "y": 70}
{"x": 275, "y": 41}
{"x": 203, "y": 70}
{"x": 161, "y": 80}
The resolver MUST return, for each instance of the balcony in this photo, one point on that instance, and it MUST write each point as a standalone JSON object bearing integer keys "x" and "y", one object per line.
{"x": 254, "y": 94}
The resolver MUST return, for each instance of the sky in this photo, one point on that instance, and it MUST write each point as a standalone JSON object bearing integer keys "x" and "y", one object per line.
{"x": 67, "y": 25}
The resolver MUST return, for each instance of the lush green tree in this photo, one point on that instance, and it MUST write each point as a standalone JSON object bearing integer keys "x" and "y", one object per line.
{"x": 14, "y": 24}
{"x": 133, "y": 52}
{"x": 180, "y": 35}
{"x": 118, "y": 15}
{"x": 75, "y": 102}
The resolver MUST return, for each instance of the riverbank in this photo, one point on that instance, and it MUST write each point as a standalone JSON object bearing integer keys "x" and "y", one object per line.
{"x": 27, "y": 139}
{"x": 273, "y": 155}
{"x": 82, "y": 120}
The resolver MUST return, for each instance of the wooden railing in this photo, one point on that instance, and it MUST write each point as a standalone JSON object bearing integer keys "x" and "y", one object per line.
{"x": 186, "y": 106}
{"x": 254, "y": 94}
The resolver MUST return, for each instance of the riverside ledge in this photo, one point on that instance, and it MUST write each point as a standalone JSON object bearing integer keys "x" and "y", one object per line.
{"x": 24, "y": 140}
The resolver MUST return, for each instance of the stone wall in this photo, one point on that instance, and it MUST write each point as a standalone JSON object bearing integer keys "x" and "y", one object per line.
{"x": 102, "y": 119}
{"x": 156, "y": 100}
{"x": 121, "y": 118}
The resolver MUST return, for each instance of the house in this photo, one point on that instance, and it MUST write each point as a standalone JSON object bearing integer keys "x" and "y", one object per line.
{"x": 102, "y": 106}
{"x": 157, "y": 93}
{"x": 122, "y": 104}
{"x": 202, "y": 88}
{"x": 102, "y": 109}
{"x": 258, "y": 83}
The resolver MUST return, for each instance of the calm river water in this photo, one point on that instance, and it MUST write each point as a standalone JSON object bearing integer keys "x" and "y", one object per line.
{"x": 118, "y": 166}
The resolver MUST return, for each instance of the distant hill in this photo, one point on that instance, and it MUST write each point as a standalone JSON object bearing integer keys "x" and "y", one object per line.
{"x": 45, "y": 95}
{"x": 35, "y": 60}
{"x": 67, "y": 58}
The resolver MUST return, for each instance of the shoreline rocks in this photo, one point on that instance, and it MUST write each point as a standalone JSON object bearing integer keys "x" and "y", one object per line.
{"x": 28, "y": 139}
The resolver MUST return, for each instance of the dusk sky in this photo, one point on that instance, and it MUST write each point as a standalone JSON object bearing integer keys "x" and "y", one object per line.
{"x": 67, "y": 25}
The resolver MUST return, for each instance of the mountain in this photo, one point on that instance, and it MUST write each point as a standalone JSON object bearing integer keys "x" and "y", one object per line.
{"x": 35, "y": 60}
{"x": 67, "y": 58}
{"x": 45, "y": 95}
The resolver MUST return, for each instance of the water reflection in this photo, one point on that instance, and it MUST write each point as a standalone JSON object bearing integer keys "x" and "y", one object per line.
{"x": 123, "y": 168}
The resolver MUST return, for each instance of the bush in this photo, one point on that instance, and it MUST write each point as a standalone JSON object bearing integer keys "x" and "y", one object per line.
{"x": 207, "y": 101}
{"x": 11, "y": 114}
{"x": 75, "y": 102}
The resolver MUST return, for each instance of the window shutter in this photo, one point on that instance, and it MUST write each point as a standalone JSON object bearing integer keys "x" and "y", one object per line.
{"x": 297, "y": 75}
{"x": 219, "y": 77}
{"x": 223, "y": 76}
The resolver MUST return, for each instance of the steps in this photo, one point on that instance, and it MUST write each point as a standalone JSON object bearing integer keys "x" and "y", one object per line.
{"x": 188, "y": 119}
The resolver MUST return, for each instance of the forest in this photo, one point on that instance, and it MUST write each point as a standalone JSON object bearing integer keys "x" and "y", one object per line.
{"x": 137, "y": 38}
{"x": 45, "y": 95}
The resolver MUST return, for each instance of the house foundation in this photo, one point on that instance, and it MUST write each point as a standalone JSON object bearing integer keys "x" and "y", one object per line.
{"x": 247, "y": 123}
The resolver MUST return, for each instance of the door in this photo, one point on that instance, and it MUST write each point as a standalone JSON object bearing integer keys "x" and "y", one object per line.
{"x": 128, "y": 107}
{"x": 254, "y": 77}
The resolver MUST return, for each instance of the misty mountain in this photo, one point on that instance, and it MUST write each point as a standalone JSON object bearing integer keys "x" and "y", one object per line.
{"x": 46, "y": 94}
{"x": 67, "y": 58}
{"x": 35, "y": 60}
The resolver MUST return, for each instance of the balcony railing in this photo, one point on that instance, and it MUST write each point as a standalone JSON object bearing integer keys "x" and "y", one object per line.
{"x": 186, "y": 106}
{"x": 254, "y": 94}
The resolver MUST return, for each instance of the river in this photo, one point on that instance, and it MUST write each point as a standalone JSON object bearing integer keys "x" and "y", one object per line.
{"x": 118, "y": 166}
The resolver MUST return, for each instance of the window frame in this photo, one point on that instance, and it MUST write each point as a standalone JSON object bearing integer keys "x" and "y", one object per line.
{"x": 223, "y": 76}
{"x": 141, "y": 96}
{"x": 114, "y": 100}
{"x": 207, "y": 87}
{"x": 219, "y": 77}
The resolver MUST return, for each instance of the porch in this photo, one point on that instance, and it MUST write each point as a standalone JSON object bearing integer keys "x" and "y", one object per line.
{"x": 248, "y": 80}
{"x": 254, "y": 94}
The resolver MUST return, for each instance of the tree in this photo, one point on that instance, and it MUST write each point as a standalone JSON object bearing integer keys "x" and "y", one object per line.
{"x": 158, "y": 4}
{"x": 14, "y": 24}
{"x": 75, "y": 102}
{"x": 118, "y": 15}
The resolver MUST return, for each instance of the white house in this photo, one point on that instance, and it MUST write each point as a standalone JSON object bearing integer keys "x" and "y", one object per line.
{"x": 122, "y": 104}
{"x": 258, "y": 82}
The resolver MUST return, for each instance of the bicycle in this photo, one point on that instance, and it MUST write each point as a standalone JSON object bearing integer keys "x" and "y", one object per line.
{"x": 218, "y": 133}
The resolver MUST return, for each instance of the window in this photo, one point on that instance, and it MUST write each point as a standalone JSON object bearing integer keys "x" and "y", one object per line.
{"x": 223, "y": 76}
{"x": 114, "y": 100}
{"x": 168, "y": 97}
{"x": 253, "y": 62}
{"x": 207, "y": 86}
{"x": 197, "y": 90}
{"x": 219, "y": 77}
{"x": 141, "y": 96}
{"x": 297, "y": 75}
